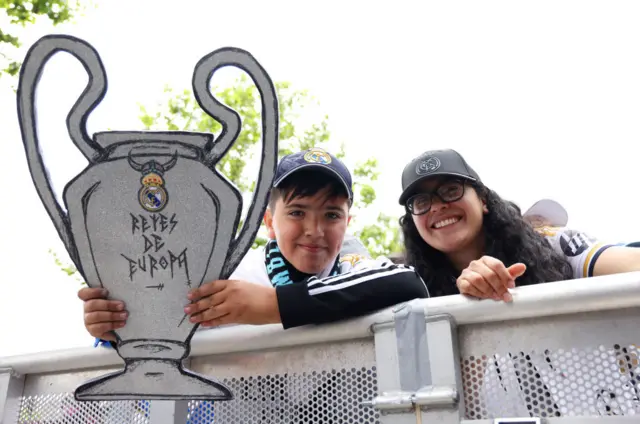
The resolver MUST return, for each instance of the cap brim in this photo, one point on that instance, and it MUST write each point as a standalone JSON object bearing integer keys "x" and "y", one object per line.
{"x": 552, "y": 212}
{"x": 408, "y": 192}
{"x": 330, "y": 171}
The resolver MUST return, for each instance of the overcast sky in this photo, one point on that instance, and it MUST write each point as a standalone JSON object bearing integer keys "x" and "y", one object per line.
{"x": 542, "y": 98}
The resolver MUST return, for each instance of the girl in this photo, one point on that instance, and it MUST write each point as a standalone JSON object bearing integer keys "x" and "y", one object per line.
{"x": 462, "y": 237}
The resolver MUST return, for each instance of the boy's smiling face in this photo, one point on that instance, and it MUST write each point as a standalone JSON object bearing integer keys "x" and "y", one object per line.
{"x": 309, "y": 229}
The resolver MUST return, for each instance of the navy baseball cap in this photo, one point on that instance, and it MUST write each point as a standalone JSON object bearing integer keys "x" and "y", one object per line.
{"x": 432, "y": 164}
{"x": 314, "y": 158}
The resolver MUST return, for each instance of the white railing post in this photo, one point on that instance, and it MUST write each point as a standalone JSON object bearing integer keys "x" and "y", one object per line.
{"x": 387, "y": 369}
{"x": 168, "y": 411}
{"x": 181, "y": 407}
{"x": 417, "y": 361}
{"x": 442, "y": 401}
{"x": 11, "y": 385}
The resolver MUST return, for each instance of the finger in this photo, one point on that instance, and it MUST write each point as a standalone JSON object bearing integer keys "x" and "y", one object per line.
{"x": 469, "y": 289}
{"x": 207, "y": 289}
{"x": 498, "y": 267}
{"x": 211, "y": 313}
{"x": 226, "y": 319}
{"x": 102, "y": 329}
{"x": 479, "y": 283}
{"x": 103, "y": 305}
{"x": 487, "y": 278}
{"x": 104, "y": 316}
{"x": 218, "y": 298}
{"x": 110, "y": 337}
{"x": 198, "y": 307}
{"x": 517, "y": 270}
{"x": 505, "y": 280}
{"x": 88, "y": 293}
{"x": 489, "y": 275}
{"x": 206, "y": 303}
{"x": 470, "y": 282}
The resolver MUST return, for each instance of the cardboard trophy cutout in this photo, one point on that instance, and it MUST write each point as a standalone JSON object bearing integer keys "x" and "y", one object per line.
{"x": 150, "y": 217}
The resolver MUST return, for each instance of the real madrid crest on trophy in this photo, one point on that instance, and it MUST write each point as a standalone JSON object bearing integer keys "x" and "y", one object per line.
{"x": 150, "y": 217}
{"x": 153, "y": 195}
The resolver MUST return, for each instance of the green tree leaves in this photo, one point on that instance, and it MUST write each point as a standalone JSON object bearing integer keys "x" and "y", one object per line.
{"x": 25, "y": 12}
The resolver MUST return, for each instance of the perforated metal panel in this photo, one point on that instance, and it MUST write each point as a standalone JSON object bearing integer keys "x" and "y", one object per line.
{"x": 574, "y": 382}
{"x": 63, "y": 408}
{"x": 327, "y": 397}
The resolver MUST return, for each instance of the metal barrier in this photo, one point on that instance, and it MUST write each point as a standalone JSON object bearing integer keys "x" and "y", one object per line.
{"x": 562, "y": 352}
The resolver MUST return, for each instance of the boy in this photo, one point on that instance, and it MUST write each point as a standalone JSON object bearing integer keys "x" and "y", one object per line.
{"x": 299, "y": 277}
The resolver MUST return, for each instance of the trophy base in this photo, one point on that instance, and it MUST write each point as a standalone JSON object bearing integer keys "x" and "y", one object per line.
{"x": 152, "y": 379}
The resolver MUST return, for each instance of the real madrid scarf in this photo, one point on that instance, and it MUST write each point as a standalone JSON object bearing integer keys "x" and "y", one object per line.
{"x": 280, "y": 270}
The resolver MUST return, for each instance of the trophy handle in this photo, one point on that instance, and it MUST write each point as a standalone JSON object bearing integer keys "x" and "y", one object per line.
{"x": 30, "y": 74}
{"x": 230, "y": 120}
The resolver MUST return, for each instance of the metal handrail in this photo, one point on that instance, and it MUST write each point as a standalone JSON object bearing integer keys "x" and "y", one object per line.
{"x": 565, "y": 297}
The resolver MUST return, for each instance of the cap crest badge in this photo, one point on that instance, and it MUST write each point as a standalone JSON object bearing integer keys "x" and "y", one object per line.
{"x": 316, "y": 155}
{"x": 428, "y": 165}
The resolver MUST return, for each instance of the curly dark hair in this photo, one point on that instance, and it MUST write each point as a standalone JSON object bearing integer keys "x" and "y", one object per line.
{"x": 508, "y": 237}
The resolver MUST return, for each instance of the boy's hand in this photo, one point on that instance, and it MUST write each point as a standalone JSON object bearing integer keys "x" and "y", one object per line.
{"x": 101, "y": 316}
{"x": 233, "y": 302}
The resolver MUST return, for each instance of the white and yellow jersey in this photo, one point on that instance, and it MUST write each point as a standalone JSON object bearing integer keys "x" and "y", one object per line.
{"x": 578, "y": 248}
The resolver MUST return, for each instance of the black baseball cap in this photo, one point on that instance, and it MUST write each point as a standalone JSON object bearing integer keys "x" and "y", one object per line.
{"x": 434, "y": 163}
{"x": 314, "y": 158}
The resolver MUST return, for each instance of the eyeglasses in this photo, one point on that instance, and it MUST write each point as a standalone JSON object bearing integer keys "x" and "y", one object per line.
{"x": 447, "y": 192}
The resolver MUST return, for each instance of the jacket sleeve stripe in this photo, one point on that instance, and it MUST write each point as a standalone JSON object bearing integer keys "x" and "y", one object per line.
{"x": 313, "y": 281}
{"x": 377, "y": 274}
